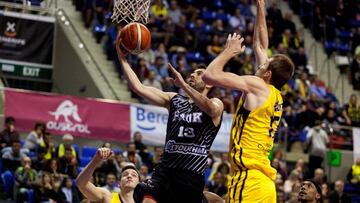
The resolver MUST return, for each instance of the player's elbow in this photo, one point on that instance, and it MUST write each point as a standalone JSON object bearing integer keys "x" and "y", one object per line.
{"x": 209, "y": 78}
{"x": 79, "y": 182}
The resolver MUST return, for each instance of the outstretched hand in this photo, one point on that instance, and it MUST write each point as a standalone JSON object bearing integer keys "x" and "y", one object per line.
{"x": 103, "y": 153}
{"x": 120, "y": 51}
{"x": 178, "y": 80}
{"x": 234, "y": 45}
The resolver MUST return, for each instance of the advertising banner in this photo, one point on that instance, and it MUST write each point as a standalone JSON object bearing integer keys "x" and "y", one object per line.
{"x": 81, "y": 117}
{"x": 26, "y": 44}
{"x": 151, "y": 122}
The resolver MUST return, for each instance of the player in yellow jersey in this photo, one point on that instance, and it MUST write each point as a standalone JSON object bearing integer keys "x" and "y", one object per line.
{"x": 257, "y": 116}
{"x": 129, "y": 179}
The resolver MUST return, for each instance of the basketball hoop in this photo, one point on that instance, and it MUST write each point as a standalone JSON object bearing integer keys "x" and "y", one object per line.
{"x": 131, "y": 11}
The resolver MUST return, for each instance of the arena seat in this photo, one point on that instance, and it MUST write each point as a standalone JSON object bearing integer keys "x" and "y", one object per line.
{"x": 88, "y": 151}
{"x": 84, "y": 161}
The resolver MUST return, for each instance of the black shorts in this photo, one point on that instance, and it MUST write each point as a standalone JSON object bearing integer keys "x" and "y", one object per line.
{"x": 172, "y": 186}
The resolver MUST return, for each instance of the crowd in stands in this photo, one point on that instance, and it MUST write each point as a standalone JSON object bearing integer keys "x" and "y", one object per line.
{"x": 36, "y": 169}
{"x": 189, "y": 33}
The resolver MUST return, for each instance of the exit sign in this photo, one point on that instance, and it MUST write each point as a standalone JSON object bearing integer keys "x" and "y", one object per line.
{"x": 26, "y": 70}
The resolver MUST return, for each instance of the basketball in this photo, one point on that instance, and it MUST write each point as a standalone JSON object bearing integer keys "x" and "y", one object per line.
{"x": 135, "y": 38}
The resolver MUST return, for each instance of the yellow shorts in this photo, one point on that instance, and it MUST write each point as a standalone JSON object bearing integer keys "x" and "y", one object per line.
{"x": 250, "y": 186}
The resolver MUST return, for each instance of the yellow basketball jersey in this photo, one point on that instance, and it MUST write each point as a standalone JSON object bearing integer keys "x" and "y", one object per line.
{"x": 252, "y": 134}
{"x": 116, "y": 198}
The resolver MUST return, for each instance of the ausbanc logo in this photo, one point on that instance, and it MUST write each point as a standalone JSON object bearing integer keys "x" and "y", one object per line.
{"x": 147, "y": 120}
{"x": 10, "y": 29}
{"x": 67, "y": 119}
{"x": 9, "y": 36}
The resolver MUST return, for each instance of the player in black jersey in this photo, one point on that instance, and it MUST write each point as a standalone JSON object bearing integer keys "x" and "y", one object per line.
{"x": 193, "y": 123}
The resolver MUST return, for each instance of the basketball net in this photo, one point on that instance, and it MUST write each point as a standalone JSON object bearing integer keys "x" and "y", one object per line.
{"x": 131, "y": 11}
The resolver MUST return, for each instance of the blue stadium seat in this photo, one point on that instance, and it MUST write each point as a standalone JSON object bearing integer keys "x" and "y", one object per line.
{"x": 349, "y": 188}
{"x": 195, "y": 56}
{"x": 35, "y": 2}
{"x": 84, "y": 161}
{"x": 355, "y": 199}
{"x": 344, "y": 35}
{"x": 218, "y": 4}
{"x": 8, "y": 179}
{"x": 99, "y": 31}
{"x": 355, "y": 23}
{"x": 31, "y": 196}
{"x": 88, "y": 151}
{"x": 32, "y": 154}
{"x": 117, "y": 151}
{"x": 343, "y": 48}
{"x": 223, "y": 16}
{"x": 330, "y": 47}
{"x": 209, "y": 15}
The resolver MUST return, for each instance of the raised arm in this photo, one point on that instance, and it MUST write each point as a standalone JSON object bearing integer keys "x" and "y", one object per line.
{"x": 261, "y": 37}
{"x": 89, "y": 190}
{"x": 213, "y": 107}
{"x": 154, "y": 95}
{"x": 214, "y": 74}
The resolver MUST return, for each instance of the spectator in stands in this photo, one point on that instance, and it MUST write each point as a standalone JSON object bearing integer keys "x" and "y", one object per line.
{"x": 355, "y": 40}
{"x": 161, "y": 52}
{"x": 12, "y": 158}
{"x": 144, "y": 173}
{"x": 217, "y": 185}
{"x": 276, "y": 165}
{"x": 316, "y": 142}
{"x": 293, "y": 198}
{"x": 338, "y": 194}
{"x": 48, "y": 147}
{"x": 318, "y": 89}
{"x": 53, "y": 168}
{"x": 158, "y": 151}
{"x": 352, "y": 111}
{"x": 142, "y": 148}
{"x": 300, "y": 168}
{"x": 219, "y": 28}
{"x": 46, "y": 192}
{"x": 278, "y": 154}
{"x": 275, "y": 16}
{"x": 310, "y": 192}
{"x": 290, "y": 182}
{"x": 174, "y": 12}
{"x": 288, "y": 23}
{"x": 25, "y": 179}
{"x": 237, "y": 20}
{"x": 215, "y": 47}
{"x": 319, "y": 176}
{"x": 159, "y": 68}
{"x": 300, "y": 58}
{"x": 69, "y": 193}
{"x": 152, "y": 81}
{"x": 67, "y": 141}
{"x": 129, "y": 179}
{"x": 120, "y": 160}
{"x": 8, "y": 135}
{"x": 35, "y": 137}
{"x": 111, "y": 183}
{"x": 159, "y": 10}
{"x": 132, "y": 156}
{"x": 39, "y": 160}
{"x": 355, "y": 69}
{"x": 325, "y": 192}
{"x": 353, "y": 176}
{"x": 224, "y": 159}
{"x": 228, "y": 101}
{"x": 68, "y": 163}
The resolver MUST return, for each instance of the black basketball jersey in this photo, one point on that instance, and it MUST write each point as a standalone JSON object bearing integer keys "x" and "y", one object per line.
{"x": 189, "y": 136}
